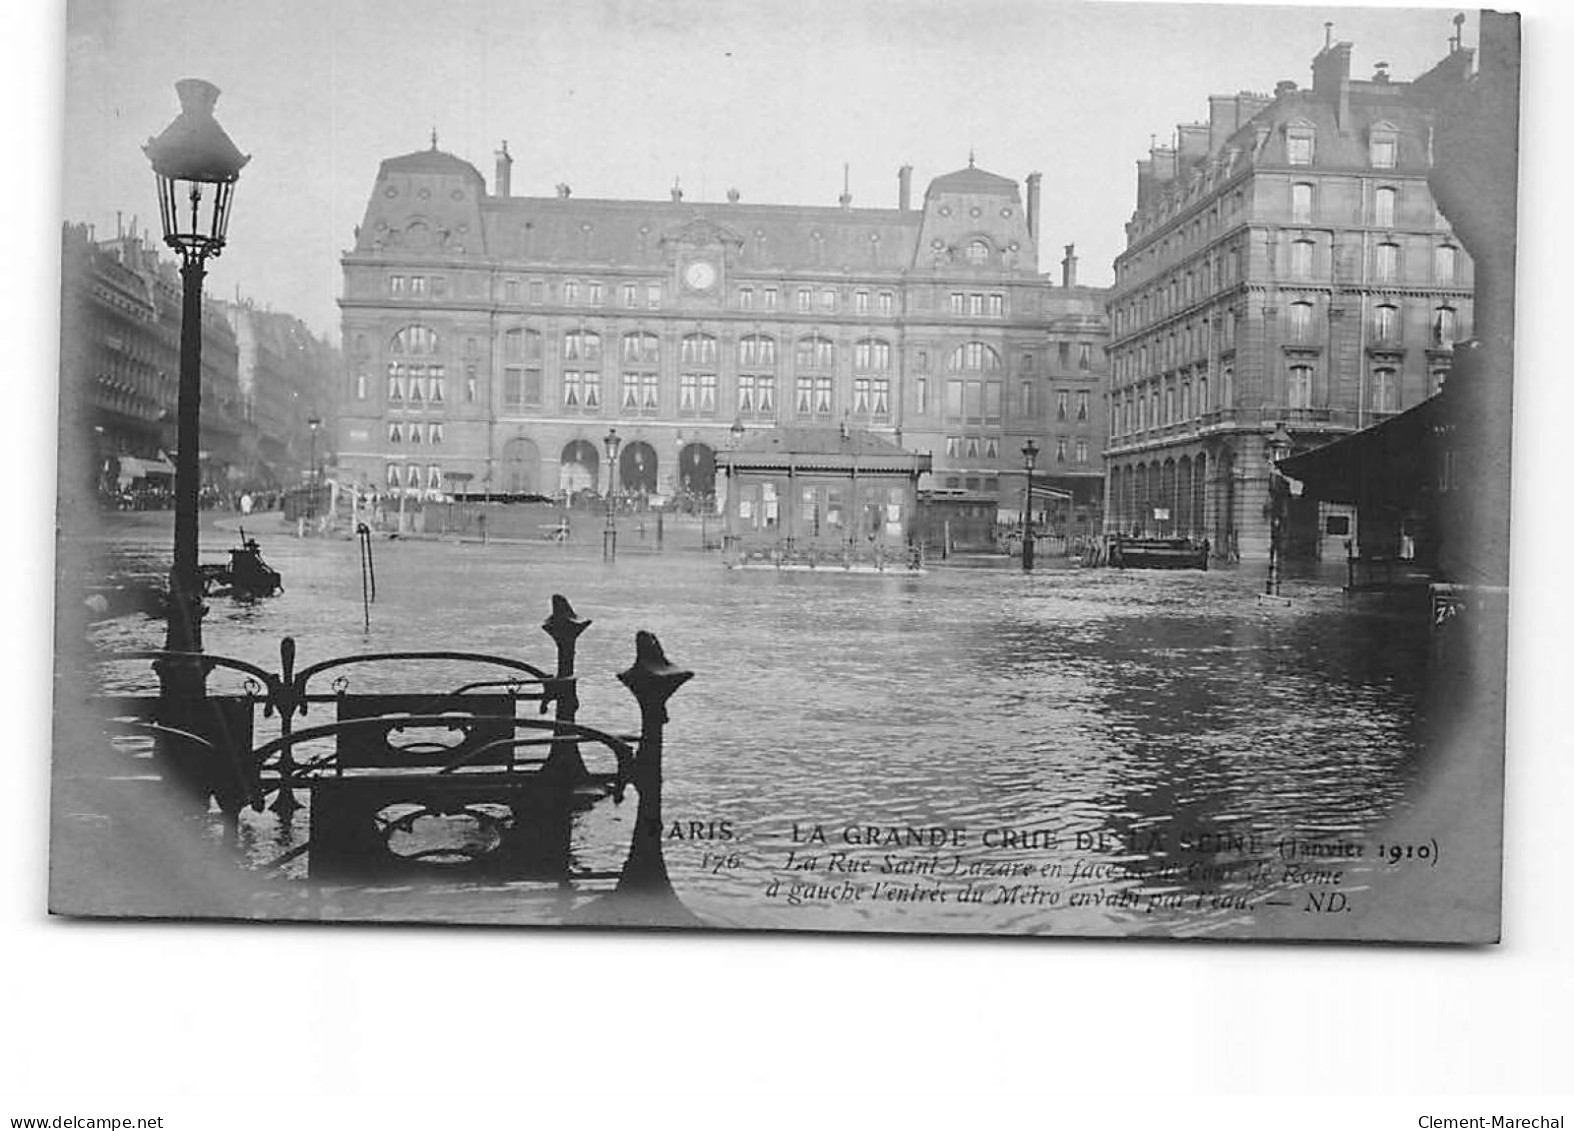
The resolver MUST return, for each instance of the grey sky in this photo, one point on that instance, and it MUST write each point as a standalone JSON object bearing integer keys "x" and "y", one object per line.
{"x": 618, "y": 97}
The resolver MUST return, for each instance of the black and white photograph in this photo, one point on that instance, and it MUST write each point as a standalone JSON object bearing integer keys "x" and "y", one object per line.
{"x": 496, "y": 493}
{"x": 787, "y": 474}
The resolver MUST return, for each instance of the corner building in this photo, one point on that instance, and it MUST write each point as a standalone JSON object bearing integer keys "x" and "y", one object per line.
{"x": 493, "y": 340}
{"x": 1286, "y": 265}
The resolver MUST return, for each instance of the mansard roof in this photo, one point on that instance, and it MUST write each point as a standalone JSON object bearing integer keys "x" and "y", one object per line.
{"x": 975, "y": 182}
{"x": 559, "y": 229}
{"x": 431, "y": 160}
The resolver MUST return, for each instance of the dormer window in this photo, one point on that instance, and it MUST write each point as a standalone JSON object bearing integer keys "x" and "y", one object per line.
{"x": 1299, "y": 143}
{"x": 1383, "y": 146}
{"x": 978, "y": 253}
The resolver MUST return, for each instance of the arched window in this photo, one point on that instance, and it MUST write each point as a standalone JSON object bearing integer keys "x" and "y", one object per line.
{"x": 582, "y": 345}
{"x": 815, "y": 352}
{"x": 872, "y": 354}
{"x": 977, "y": 253}
{"x": 641, "y": 348}
{"x": 973, "y": 357}
{"x": 698, "y": 349}
{"x": 414, "y": 341}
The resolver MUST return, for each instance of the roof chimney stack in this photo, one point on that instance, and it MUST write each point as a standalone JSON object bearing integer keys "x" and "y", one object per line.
{"x": 1033, "y": 180}
{"x": 846, "y": 199}
{"x": 1068, "y": 267}
{"x": 505, "y": 169}
{"x": 904, "y": 188}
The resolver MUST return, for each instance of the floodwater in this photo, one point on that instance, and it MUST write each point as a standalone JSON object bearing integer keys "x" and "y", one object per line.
{"x": 1129, "y": 751}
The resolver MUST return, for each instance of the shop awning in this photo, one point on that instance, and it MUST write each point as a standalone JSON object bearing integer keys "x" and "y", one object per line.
{"x": 133, "y": 468}
{"x": 1393, "y": 458}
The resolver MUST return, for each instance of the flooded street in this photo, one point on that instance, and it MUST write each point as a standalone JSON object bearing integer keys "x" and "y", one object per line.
{"x": 1142, "y": 744}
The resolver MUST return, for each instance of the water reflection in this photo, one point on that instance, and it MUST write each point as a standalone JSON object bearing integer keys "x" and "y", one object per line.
{"x": 1115, "y": 715}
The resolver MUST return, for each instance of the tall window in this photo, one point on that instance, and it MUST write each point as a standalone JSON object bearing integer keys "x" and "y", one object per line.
{"x": 1300, "y": 386}
{"x": 1385, "y": 323}
{"x": 1301, "y": 204}
{"x": 1298, "y": 148}
{"x": 641, "y": 382}
{"x": 1383, "y": 207}
{"x": 1302, "y": 253}
{"x": 1384, "y": 152}
{"x": 1300, "y": 321}
{"x": 697, "y": 381}
{"x": 1385, "y": 392}
{"x": 1445, "y": 327}
{"x": 1445, "y": 264}
{"x": 1082, "y": 404}
{"x": 1385, "y": 262}
{"x": 757, "y": 376}
{"x": 521, "y": 369}
{"x": 872, "y": 397}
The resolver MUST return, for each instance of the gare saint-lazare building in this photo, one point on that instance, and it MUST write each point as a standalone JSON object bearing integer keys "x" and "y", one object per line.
{"x": 492, "y": 340}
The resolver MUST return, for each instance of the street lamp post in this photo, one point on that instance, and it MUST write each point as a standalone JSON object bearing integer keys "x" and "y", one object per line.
{"x": 1029, "y": 458}
{"x": 609, "y": 536}
{"x": 195, "y": 166}
{"x": 1280, "y": 444}
{"x": 313, "y": 424}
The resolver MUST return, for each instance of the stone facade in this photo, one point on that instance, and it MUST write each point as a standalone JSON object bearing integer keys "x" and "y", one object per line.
{"x": 1286, "y": 265}
{"x": 493, "y": 340}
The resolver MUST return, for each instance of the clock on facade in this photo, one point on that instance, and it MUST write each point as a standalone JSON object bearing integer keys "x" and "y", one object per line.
{"x": 700, "y": 275}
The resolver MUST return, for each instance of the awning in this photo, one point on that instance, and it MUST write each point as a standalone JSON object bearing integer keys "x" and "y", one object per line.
{"x": 133, "y": 468}
{"x": 1391, "y": 459}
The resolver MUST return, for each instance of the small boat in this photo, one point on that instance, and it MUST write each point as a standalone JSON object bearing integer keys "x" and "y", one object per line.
{"x": 1157, "y": 553}
{"x": 245, "y": 575}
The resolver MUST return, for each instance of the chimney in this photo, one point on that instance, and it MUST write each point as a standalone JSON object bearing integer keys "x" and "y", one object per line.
{"x": 1193, "y": 142}
{"x": 904, "y": 188}
{"x": 677, "y": 190}
{"x": 846, "y": 199}
{"x": 1163, "y": 163}
{"x": 733, "y": 196}
{"x": 1068, "y": 267}
{"x": 1032, "y": 203}
{"x": 1331, "y": 80}
{"x": 505, "y": 168}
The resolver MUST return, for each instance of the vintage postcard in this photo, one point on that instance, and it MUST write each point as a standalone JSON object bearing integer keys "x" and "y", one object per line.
{"x": 1013, "y": 468}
